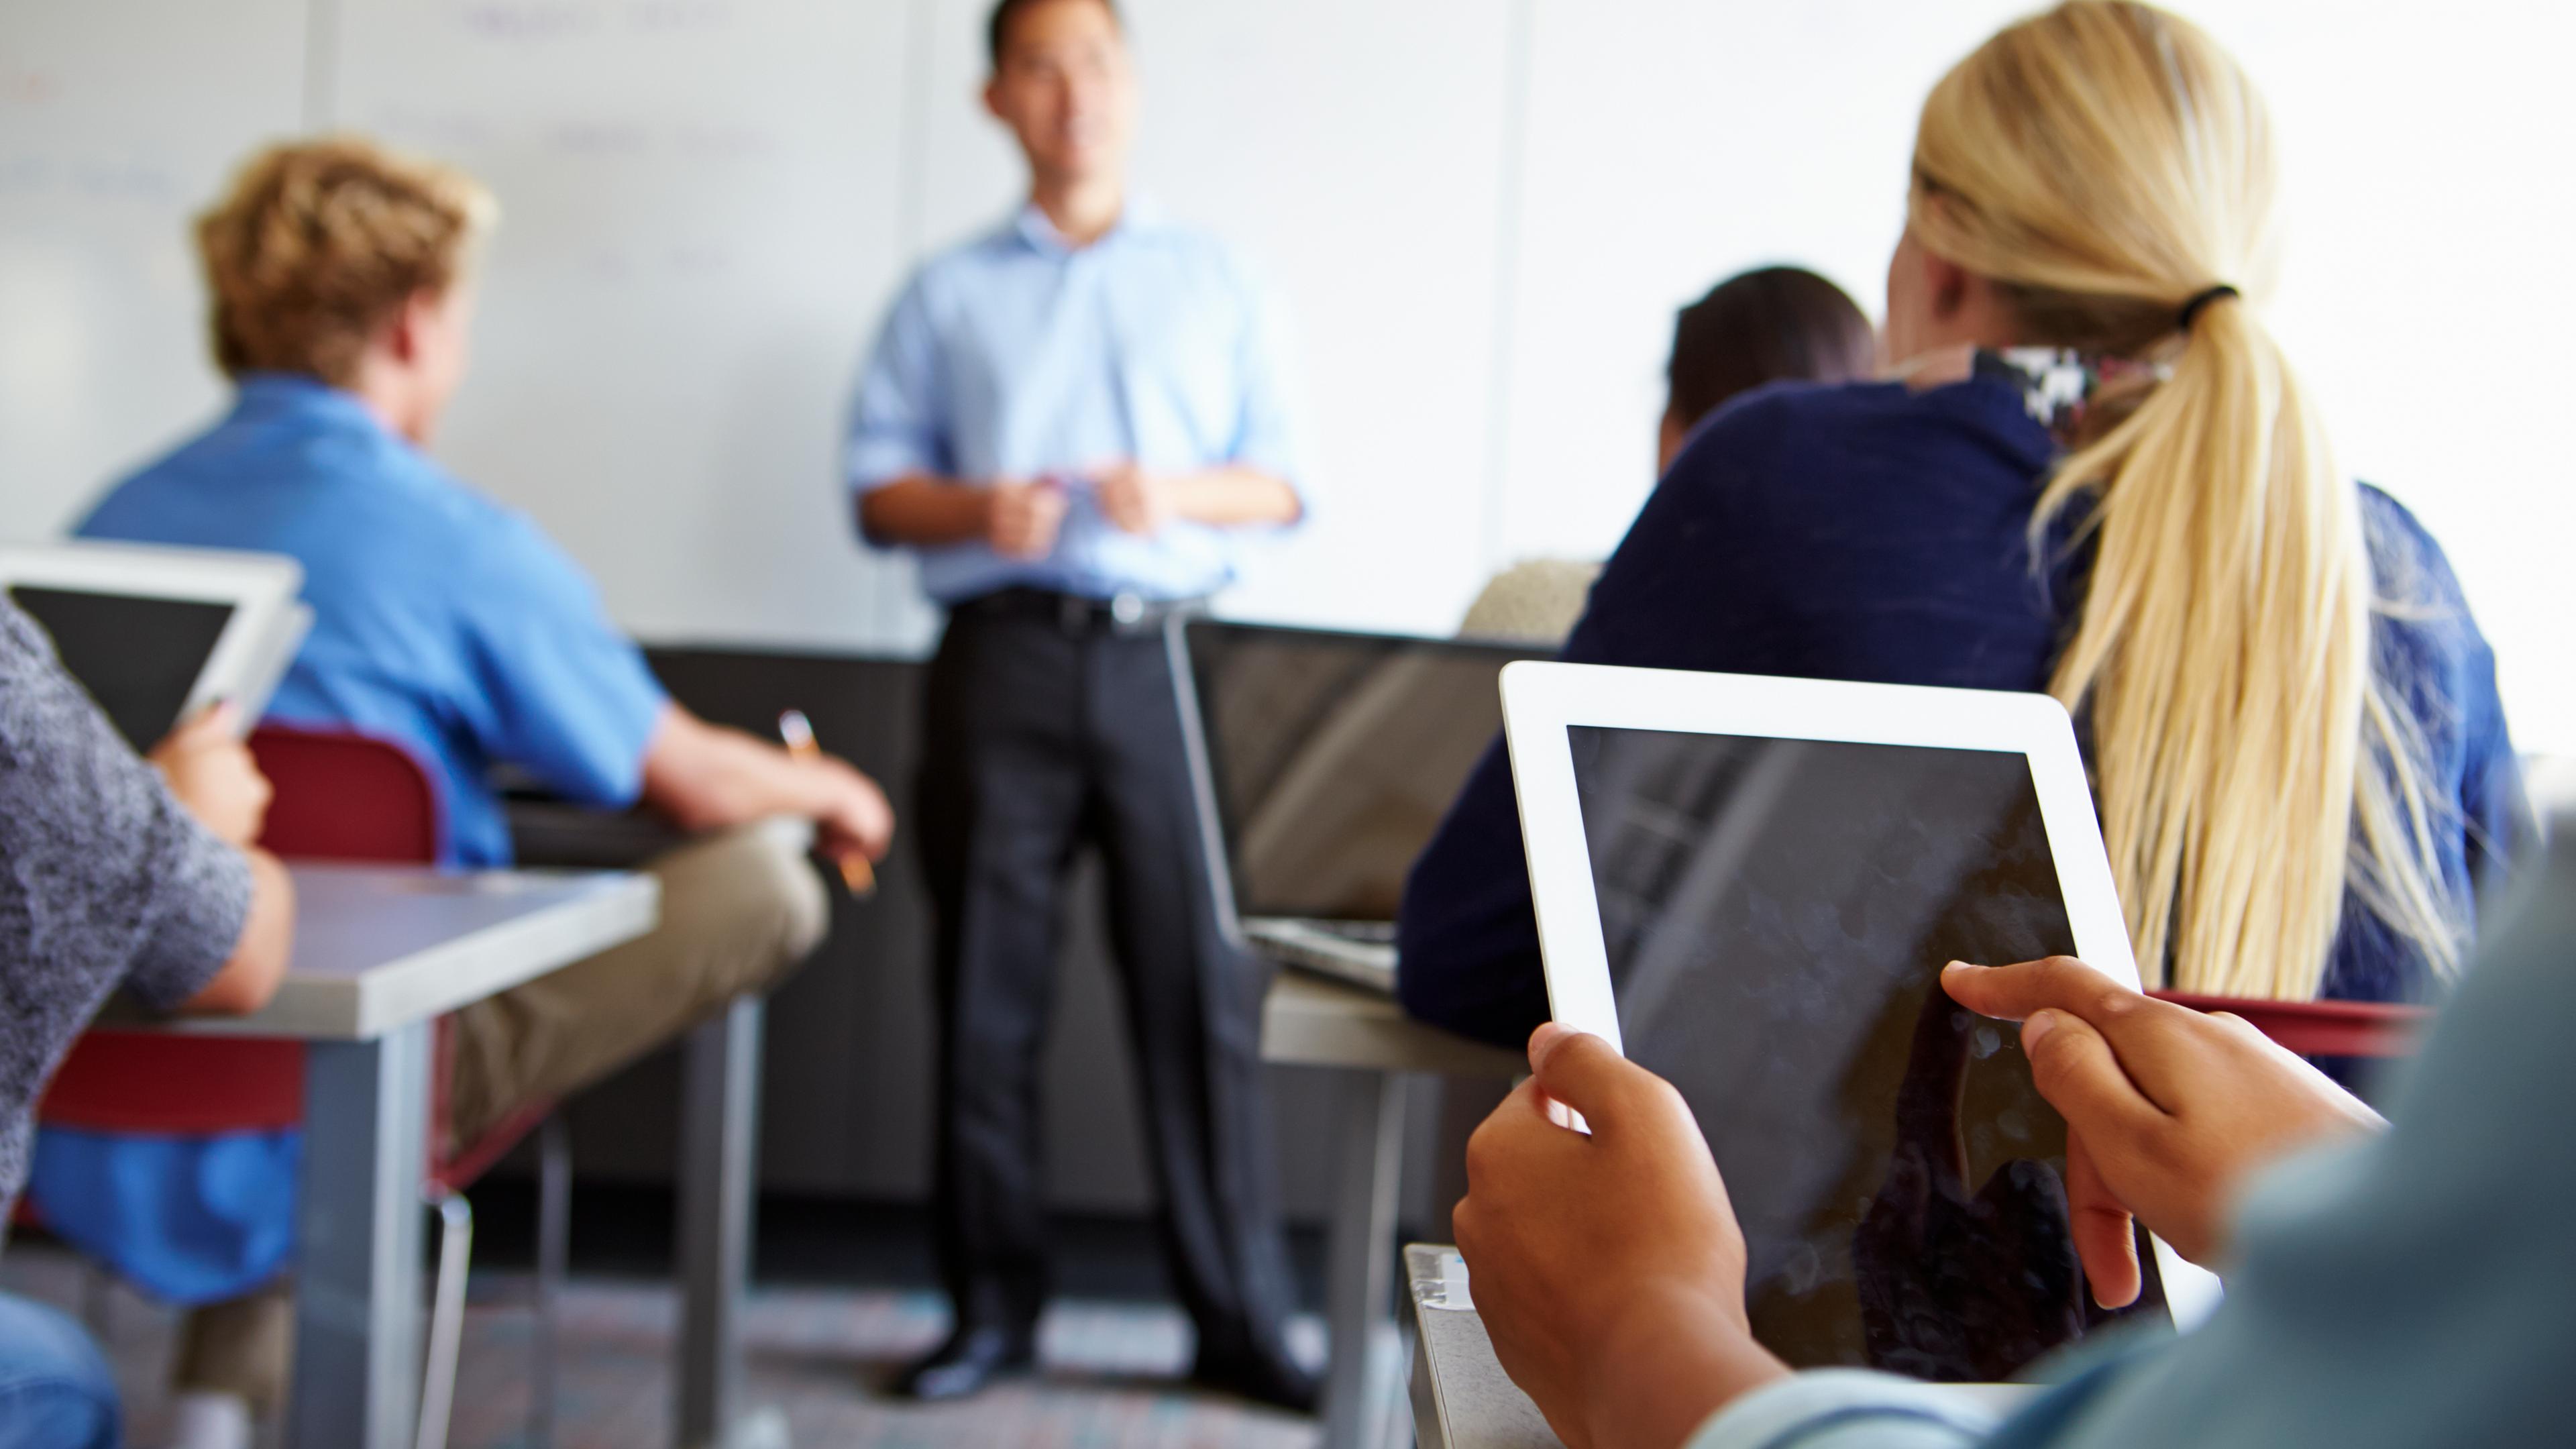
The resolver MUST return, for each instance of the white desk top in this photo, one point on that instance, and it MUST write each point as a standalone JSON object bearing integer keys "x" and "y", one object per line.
{"x": 1309, "y": 1021}
{"x": 378, "y": 947}
{"x": 1461, "y": 1397}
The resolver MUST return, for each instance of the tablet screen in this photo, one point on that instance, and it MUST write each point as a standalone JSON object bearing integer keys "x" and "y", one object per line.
{"x": 1776, "y": 914}
{"x": 138, "y": 657}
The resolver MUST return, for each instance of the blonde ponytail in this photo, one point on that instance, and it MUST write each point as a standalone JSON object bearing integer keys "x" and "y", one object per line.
{"x": 2107, "y": 164}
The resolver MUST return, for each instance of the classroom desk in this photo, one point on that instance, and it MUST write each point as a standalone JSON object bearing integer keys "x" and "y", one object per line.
{"x": 1463, "y": 1400}
{"x": 1461, "y": 1397}
{"x": 1309, "y": 1021}
{"x": 380, "y": 953}
{"x": 717, "y": 1182}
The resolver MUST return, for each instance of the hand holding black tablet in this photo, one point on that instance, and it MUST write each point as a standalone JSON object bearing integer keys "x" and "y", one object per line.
{"x": 157, "y": 635}
{"x": 1750, "y": 886}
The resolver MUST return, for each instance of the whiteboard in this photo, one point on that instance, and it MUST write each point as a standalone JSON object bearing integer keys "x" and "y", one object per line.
{"x": 118, "y": 118}
{"x": 707, "y": 206}
{"x": 698, "y": 217}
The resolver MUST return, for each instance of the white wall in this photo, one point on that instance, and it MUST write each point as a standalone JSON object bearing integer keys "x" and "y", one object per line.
{"x": 1480, "y": 212}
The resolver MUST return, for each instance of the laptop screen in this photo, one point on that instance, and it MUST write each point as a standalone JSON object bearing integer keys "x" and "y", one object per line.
{"x": 137, "y": 656}
{"x": 1776, "y": 914}
{"x": 1332, "y": 756}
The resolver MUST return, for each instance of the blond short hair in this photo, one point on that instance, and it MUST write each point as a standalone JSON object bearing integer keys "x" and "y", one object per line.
{"x": 317, "y": 243}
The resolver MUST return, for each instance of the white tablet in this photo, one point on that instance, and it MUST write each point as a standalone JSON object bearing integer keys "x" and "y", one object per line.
{"x": 1750, "y": 886}
{"x": 155, "y": 634}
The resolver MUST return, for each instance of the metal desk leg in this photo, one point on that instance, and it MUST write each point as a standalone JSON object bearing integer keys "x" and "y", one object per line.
{"x": 1359, "y": 1275}
{"x": 359, "y": 1223}
{"x": 718, "y": 1138}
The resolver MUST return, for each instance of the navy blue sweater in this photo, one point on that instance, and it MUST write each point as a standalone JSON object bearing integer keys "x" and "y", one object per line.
{"x": 1869, "y": 532}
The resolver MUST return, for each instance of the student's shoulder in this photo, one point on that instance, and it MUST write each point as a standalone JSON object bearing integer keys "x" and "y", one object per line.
{"x": 1813, "y": 410}
{"x": 444, "y": 527}
{"x": 2399, "y": 541}
{"x": 412, "y": 489}
{"x": 1851, "y": 433}
{"x": 2419, "y": 595}
{"x": 25, "y": 652}
{"x": 516, "y": 560}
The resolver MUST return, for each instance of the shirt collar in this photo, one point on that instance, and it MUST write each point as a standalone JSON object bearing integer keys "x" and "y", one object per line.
{"x": 294, "y": 392}
{"x": 1138, "y": 217}
{"x": 2066, "y": 391}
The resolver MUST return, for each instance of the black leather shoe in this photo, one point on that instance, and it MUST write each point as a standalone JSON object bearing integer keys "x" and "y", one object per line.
{"x": 1260, "y": 1378}
{"x": 969, "y": 1360}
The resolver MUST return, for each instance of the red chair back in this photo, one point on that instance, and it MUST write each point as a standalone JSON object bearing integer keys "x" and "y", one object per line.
{"x": 339, "y": 796}
{"x": 343, "y": 796}
{"x": 2320, "y": 1028}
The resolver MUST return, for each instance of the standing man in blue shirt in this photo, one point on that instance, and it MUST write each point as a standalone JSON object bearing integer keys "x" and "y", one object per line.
{"x": 1075, "y": 420}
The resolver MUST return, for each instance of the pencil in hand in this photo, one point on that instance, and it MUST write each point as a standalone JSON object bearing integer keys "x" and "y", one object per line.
{"x": 798, "y": 734}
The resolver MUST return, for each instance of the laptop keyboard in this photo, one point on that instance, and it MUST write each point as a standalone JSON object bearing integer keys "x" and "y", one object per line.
{"x": 1371, "y": 933}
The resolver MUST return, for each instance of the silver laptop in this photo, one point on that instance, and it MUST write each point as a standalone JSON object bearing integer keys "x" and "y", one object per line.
{"x": 1323, "y": 762}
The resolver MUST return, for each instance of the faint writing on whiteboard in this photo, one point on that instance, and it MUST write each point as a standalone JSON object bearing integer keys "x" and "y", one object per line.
{"x": 91, "y": 179}
{"x": 528, "y": 19}
{"x": 601, "y": 138}
{"x": 29, "y": 86}
{"x": 679, "y": 14}
{"x": 461, "y": 133}
{"x": 637, "y": 138}
{"x": 547, "y": 20}
{"x": 703, "y": 261}
{"x": 441, "y": 130}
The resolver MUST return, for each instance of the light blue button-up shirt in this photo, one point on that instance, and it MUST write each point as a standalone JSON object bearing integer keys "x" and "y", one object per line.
{"x": 440, "y": 618}
{"x": 1018, "y": 355}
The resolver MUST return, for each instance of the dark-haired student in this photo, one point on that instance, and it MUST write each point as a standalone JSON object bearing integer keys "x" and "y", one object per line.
{"x": 1771, "y": 324}
{"x": 1075, "y": 421}
{"x": 2098, "y": 476}
{"x": 115, "y": 874}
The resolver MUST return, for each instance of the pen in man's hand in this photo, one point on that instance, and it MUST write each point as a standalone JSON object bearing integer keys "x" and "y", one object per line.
{"x": 798, "y": 733}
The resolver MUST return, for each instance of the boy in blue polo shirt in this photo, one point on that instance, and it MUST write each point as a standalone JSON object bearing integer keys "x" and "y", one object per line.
{"x": 342, "y": 308}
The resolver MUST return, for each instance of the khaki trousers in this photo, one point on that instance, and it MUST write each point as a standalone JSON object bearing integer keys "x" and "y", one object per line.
{"x": 741, "y": 909}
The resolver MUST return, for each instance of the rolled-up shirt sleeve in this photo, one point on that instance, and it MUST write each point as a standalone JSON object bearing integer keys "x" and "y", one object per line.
{"x": 558, "y": 691}
{"x": 204, "y": 897}
{"x": 1846, "y": 1409}
{"x": 899, "y": 418}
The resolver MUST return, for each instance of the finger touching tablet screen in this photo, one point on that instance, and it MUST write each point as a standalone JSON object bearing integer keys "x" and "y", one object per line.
{"x": 1751, "y": 885}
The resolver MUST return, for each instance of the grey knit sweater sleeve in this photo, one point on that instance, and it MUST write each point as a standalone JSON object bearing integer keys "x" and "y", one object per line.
{"x": 106, "y": 881}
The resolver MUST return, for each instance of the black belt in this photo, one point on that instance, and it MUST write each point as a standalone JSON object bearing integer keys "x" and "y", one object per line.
{"x": 1121, "y": 614}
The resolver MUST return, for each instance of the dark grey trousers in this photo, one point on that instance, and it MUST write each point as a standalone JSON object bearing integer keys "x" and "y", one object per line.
{"x": 1045, "y": 733}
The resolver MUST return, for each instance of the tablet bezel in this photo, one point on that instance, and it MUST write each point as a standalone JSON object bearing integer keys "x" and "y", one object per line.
{"x": 259, "y": 588}
{"x": 1541, "y": 701}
